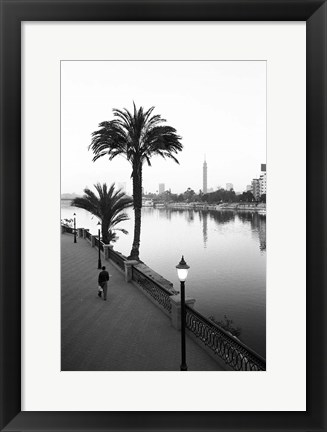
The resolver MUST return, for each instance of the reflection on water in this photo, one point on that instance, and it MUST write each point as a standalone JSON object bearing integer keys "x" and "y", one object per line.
{"x": 258, "y": 226}
{"x": 226, "y": 252}
{"x": 204, "y": 216}
{"x": 223, "y": 216}
{"x": 256, "y": 220}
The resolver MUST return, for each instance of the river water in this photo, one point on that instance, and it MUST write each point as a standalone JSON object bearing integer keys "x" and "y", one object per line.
{"x": 226, "y": 252}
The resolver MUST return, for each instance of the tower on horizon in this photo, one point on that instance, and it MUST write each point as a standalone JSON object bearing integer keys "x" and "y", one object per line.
{"x": 205, "y": 176}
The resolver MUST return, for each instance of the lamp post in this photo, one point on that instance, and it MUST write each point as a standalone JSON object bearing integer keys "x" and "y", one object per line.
{"x": 99, "y": 259}
{"x": 182, "y": 270}
{"x": 75, "y": 228}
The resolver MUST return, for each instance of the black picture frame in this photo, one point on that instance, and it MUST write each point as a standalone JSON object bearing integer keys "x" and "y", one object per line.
{"x": 13, "y": 12}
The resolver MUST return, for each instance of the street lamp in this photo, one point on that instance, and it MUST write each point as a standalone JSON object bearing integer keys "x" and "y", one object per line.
{"x": 99, "y": 259}
{"x": 182, "y": 270}
{"x": 75, "y": 228}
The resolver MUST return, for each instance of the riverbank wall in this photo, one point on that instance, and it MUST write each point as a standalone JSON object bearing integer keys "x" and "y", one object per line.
{"x": 256, "y": 207}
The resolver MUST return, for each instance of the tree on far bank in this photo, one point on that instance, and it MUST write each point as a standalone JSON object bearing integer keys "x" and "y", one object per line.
{"x": 221, "y": 195}
{"x": 137, "y": 136}
{"x": 108, "y": 206}
{"x": 247, "y": 196}
{"x": 189, "y": 195}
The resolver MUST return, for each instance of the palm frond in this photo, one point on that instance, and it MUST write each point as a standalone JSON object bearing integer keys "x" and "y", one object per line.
{"x": 108, "y": 205}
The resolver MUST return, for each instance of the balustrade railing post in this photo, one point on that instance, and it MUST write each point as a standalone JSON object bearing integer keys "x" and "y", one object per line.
{"x": 176, "y": 309}
{"x": 85, "y": 230}
{"x": 93, "y": 237}
{"x": 128, "y": 269}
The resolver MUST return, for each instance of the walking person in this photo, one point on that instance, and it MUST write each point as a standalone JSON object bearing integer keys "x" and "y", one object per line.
{"x": 103, "y": 282}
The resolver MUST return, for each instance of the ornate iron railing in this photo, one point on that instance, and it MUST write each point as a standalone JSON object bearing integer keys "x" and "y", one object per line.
{"x": 159, "y": 293}
{"x": 87, "y": 235}
{"x": 117, "y": 258}
{"x": 101, "y": 245}
{"x": 233, "y": 352}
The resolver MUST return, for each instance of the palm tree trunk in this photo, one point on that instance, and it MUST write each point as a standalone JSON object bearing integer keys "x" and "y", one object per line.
{"x": 137, "y": 198}
{"x": 105, "y": 236}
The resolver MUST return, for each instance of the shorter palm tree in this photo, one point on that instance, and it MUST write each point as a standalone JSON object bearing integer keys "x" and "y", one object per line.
{"x": 108, "y": 206}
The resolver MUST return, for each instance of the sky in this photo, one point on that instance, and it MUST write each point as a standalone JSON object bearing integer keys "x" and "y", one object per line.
{"x": 217, "y": 107}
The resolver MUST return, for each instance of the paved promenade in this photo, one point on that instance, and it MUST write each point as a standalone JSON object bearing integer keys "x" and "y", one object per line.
{"x": 125, "y": 333}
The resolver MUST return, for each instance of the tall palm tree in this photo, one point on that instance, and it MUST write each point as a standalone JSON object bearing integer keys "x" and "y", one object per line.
{"x": 108, "y": 206}
{"x": 137, "y": 136}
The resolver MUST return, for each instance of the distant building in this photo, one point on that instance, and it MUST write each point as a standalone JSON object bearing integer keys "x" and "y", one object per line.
{"x": 210, "y": 190}
{"x": 229, "y": 186}
{"x": 147, "y": 202}
{"x": 263, "y": 183}
{"x": 256, "y": 189}
{"x": 263, "y": 180}
{"x": 161, "y": 188}
{"x": 248, "y": 188}
{"x": 205, "y": 177}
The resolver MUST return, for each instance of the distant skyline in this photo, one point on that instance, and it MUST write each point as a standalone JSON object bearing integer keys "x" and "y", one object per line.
{"x": 218, "y": 107}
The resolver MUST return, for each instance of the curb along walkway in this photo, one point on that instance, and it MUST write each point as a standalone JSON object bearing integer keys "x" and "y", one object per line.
{"x": 125, "y": 333}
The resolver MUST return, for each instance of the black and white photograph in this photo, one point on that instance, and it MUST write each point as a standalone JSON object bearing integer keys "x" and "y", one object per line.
{"x": 163, "y": 215}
